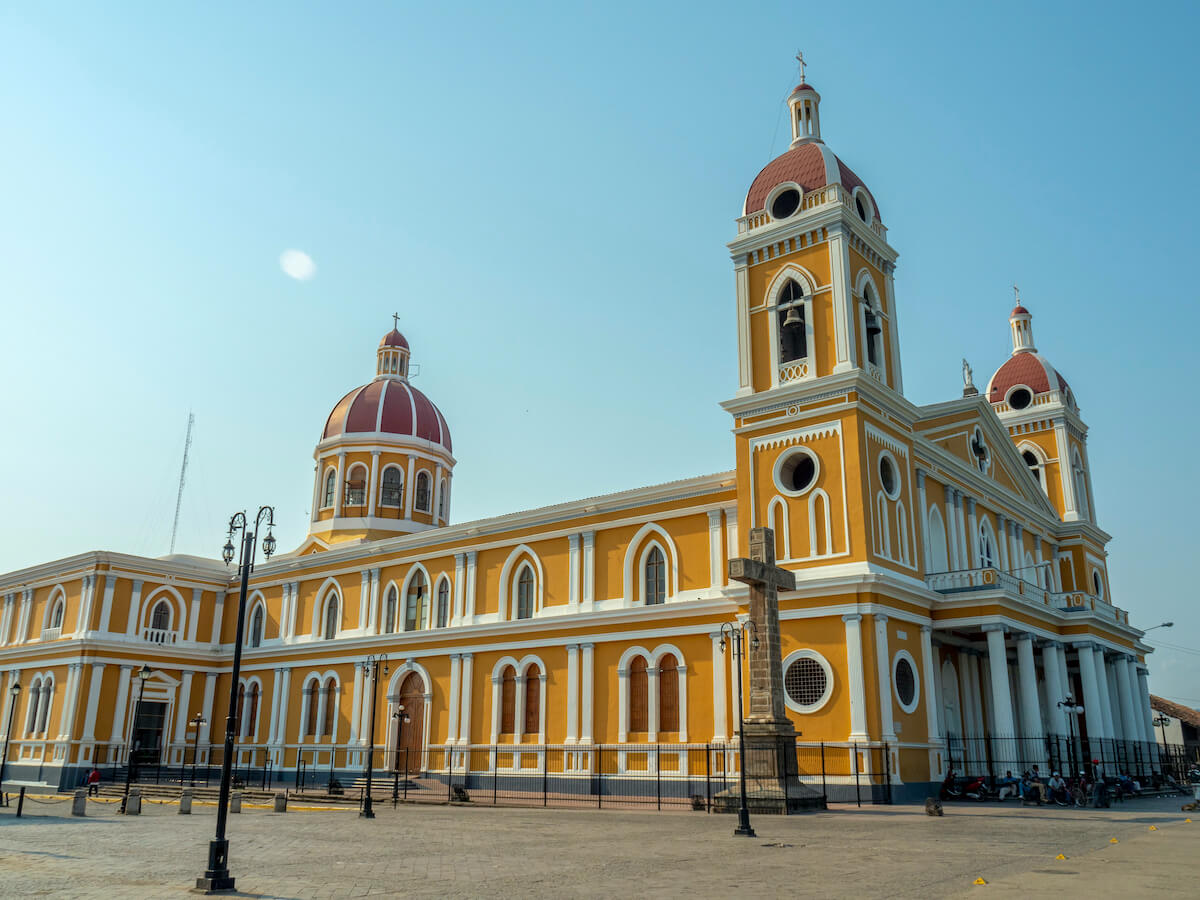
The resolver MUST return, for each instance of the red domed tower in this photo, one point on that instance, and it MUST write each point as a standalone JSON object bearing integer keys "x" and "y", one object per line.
{"x": 385, "y": 458}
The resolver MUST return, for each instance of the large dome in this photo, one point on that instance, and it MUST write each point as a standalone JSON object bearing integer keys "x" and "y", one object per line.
{"x": 811, "y": 165}
{"x": 389, "y": 406}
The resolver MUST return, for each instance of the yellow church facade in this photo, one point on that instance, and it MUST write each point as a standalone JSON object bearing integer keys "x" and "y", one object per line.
{"x": 951, "y": 580}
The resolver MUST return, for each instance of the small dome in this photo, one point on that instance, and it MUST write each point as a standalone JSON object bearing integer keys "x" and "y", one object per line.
{"x": 1030, "y": 369}
{"x": 811, "y": 165}
{"x": 388, "y": 406}
{"x": 1019, "y": 310}
{"x": 394, "y": 339}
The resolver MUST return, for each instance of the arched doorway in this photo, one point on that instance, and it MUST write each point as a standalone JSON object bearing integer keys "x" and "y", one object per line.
{"x": 410, "y": 735}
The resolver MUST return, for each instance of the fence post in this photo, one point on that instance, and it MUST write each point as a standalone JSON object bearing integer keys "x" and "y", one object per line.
{"x": 887, "y": 772}
{"x": 600, "y": 776}
{"x": 824, "y": 787}
{"x": 545, "y": 773}
{"x": 406, "y": 774}
{"x": 450, "y": 778}
{"x": 658, "y": 775}
{"x": 708, "y": 778}
{"x": 495, "y": 776}
{"x": 857, "y": 780}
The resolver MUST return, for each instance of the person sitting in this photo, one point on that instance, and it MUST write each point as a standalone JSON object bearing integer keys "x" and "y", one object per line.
{"x": 1058, "y": 789}
{"x": 950, "y": 789}
{"x": 93, "y": 782}
{"x": 1126, "y": 786}
{"x": 1031, "y": 791}
{"x": 1009, "y": 786}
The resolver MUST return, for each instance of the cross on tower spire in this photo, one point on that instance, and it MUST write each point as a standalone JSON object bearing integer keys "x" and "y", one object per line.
{"x": 1017, "y": 295}
{"x": 802, "y": 63}
{"x": 395, "y": 321}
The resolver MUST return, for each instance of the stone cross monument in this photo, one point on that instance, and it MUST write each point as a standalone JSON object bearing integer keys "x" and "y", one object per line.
{"x": 773, "y": 784}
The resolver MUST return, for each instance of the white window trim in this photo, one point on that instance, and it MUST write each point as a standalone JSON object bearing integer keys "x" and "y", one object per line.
{"x": 329, "y": 470}
{"x": 774, "y": 195}
{"x": 643, "y": 557}
{"x": 428, "y": 507}
{"x": 399, "y": 504}
{"x": 808, "y": 284}
{"x": 896, "y": 470}
{"x": 824, "y": 664}
{"x": 780, "y": 461}
{"x": 916, "y": 700}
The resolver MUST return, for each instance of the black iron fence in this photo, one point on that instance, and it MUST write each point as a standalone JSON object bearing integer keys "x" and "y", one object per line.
{"x": 995, "y": 756}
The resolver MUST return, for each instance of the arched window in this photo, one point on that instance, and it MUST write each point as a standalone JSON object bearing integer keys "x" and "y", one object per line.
{"x": 414, "y": 607}
{"x": 392, "y": 489}
{"x": 330, "y": 697}
{"x": 656, "y": 577}
{"x": 160, "y": 619}
{"x": 356, "y": 486}
{"x": 421, "y": 501}
{"x": 793, "y": 332}
{"x": 442, "y": 500}
{"x": 310, "y": 724}
{"x": 331, "y": 616}
{"x": 987, "y": 549}
{"x": 256, "y": 627}
{"x": 668, "y": 693}
{"x": 35, "y": 694}
{"x": 533, "y": 699}
{"x": 252, "y": 710}
{"x": 389, "y": 610}
{"x": 639, "y": 695}
{"x": 1035, "y": 465}
{"x": 873, "y": 328}
{"x": 508, "y": 700}
{"x": 443, "y": 604}
{"x": 1079, "y": 475}
{"x": 238, "y": 710}
{"x": 56, "y": 617}
{"x": 525, "y": 593}
{"x": 330, "y": 485}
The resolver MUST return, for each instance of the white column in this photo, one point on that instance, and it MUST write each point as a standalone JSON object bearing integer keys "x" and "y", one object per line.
{"x": 716, "y": 567}
{"x": 884, "y": 673}
{"x": 497, "y": 696}
{"x": 317, "y": 479}
{"x": 364, "y": 600}
{"x": 83, "y": 616}
{"x": 1147, "y": 712}
{"x": 855, "y": 679}
{"x": 586, "y": 694}
{"x": 1031, "y": 709}
{"x": 1129, "y": 723}
{"x": 973, "y": 535}
{"x": 182, "y": 711}
{"x": 964, "y": 552}
{"x": 206, "y": 707}
{"x": 952, "y": 531}
{"x": 1114, "y": 701}
{"x": 371, "y": 484}
{"x": 14, "y": 676}
{"x": 194, "y": 614}
{"x": 117, "y": 734}
{"x": 1002, "y": 708}
{"x": 1002, "y": 540}
{"x": 464, "y": 721}
{"x": 110, "y": 588}
{"x": 410, "y": 488}
{"x": 460, "y": 568}
{"x": 572, "y": 693}
{"x": 1055, "y": 689}
{"x": 923, "y": 516}
{"x": 285, "y": 694}
{"x": 339, "y": 490}
{"x": 469, "y": 601}
{"x": 573, "y": 562}
{"x": 1091, "y": 691}
{"x": 720, "y": 692}
{"x": 843, "y": 314}
{"x": 455, "y": 696}
{"x": 588, "y": 592}
{"x": 273, "y": 722}
{"x": 218, "y": 615}
{"x": 731, "y": 536}
{"x": 652, "y": 705}
{"x": 1102, "y": 687}
{"x": 745, "y": 356}
{"x": 70, "y": 701}
{"x": 93, "y": 703}
{"x": 966, "y": 694}
{"x": 622, "y": 704}
{"x": 356, "y": 704}
{"x": 519, "y": 707}
{"x": 933, "y": 706}
{"x": 1135, "y": 701}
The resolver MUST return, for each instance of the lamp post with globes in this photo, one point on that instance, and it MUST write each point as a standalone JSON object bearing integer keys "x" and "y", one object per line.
{"x": 734, "y": 632}
{"x": 13, "y": 692}
{"x": 1073, "y": 710}
{"x": 143, "y": 674}
{"x": 371, "y": 671}
{"x": 216, "y": 878}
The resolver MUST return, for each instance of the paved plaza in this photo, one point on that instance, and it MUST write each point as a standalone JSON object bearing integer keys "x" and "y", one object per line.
{"x": 428, "y": 851}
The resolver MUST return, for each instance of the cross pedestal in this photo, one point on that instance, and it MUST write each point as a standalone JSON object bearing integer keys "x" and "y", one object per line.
{"x": 772, "y": 775}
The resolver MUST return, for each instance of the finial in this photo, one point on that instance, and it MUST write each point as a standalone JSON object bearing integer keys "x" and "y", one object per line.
{"x": 1017, "y": 295}
{"x": 395, "y": 321}
{"x": 802, "y": 63}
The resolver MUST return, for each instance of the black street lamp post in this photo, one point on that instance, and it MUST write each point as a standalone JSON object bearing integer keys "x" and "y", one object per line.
{"x": 735, "y": 631}
{"x": 1072, "y": 709}
{"x": 14, "y": 692}
{"x": 143, "y": 674}
{"x": 196, "y": 723}
{"x": 1162, "y": 721}
{"x": 216, "y": 877}
{"x": 371, "y": 671}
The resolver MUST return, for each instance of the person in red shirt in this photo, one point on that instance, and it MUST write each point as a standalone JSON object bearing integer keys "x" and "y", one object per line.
{"x": 93, "y": 782}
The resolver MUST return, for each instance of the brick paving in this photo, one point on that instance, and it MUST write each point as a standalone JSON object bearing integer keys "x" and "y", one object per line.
{"x": 427, "y": 851}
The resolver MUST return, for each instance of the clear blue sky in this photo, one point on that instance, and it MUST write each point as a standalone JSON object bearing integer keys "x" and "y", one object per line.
{"x": 544, "y": 193}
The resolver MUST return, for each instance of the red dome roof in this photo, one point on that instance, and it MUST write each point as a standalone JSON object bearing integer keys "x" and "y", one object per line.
{"x": 1018, "y": 310}
{"x": 394, "y": 339}
{"x": 391, "y": 406}
{"x": 811, "y": 165}
{"x": 1029, "y": 369}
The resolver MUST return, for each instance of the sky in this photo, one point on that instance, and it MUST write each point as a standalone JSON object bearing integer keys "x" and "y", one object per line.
{"x": 543, "y": 193}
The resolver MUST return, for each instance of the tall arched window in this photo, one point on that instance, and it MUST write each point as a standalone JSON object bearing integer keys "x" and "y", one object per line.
{"x": 421, "y": 501}
{"x": 873, "y": 327}
{"x": 668, "y": 693}
{"x": 443, "y": 604}
{"x": 310, "y": 724}
{"x": 256, "y": 627}
{"x": 533, "y": 699}
{"x": 389, "y": 610}
{"x": 442, "y": 500}
{"x": 639, "y": 695}
{"x": 35, "y": 694}
{"x": 392, "y": 489}
{"x": 656, "y": 577}
{"x": 238, "y": 710}
{"x": 1079, "y": 475}
{"x": 330, "y": 486}
{"x": 1034, "y": 464}
{"x": 987, "y": 550}
{"x": 252, "y": 710}
{"x": 56, "y": 617}
{"x": 793, "y": 331}
{"x": 330, "y": 697}
{"x": 160, "y": 619}
{"x": 356, "y": 486}
{"x": 414, "y": 607}
{"x": 525, "y": 594}
{"x": 508, "y": 700}
{"x": 331, "y": 616}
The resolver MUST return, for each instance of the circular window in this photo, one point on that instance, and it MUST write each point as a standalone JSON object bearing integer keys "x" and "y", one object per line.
{"x": 807, "y": 681}
{"x": 796, "y": 471}
{"x": 889, "y": 477}
{"x": 904, "y": 677}
{"x": 785, "y": 204}
{"x": 1019, "y": 398}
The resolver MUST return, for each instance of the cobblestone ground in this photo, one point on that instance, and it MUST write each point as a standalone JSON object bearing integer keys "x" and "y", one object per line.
{"x": 472, "y": 852}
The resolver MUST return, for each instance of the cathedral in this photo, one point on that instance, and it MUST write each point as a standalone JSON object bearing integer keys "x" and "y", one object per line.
{"x": 951, "y": 605}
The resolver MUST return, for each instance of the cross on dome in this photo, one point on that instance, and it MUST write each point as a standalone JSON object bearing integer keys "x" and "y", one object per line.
{"x": 802, "y": 64}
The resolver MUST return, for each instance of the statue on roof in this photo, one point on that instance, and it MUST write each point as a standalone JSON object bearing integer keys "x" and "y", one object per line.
{"x": 969, "y": 389}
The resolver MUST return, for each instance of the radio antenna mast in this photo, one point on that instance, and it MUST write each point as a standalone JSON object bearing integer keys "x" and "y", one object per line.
{"x": 187, "y": 445}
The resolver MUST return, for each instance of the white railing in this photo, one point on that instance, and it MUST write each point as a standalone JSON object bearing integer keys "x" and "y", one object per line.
{"x": 159, "y": 635}
{"x": 52, "y": 634}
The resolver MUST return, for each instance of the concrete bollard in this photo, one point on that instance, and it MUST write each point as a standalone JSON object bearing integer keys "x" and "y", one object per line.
{"x": 281, "y": 801}
{"x": 185, "y": 802}
{"x": 133, "y": 806}
{"x": 79, "y": 803}
{"x": 235, "y": 802}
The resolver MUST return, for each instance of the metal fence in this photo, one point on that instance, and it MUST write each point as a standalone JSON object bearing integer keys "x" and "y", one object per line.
{"x": 996, "y": 756}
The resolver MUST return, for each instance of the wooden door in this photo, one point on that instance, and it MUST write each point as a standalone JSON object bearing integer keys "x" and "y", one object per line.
{"x": 410, "y": 741}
